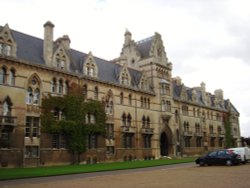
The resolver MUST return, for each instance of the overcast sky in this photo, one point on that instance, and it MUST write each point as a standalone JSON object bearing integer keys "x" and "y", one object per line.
{"x": 206, "y": 40}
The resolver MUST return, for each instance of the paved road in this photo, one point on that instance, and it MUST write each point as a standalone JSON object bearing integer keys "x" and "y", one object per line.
{"x": 186, "y": 175}
{"x": 7, "y": 183}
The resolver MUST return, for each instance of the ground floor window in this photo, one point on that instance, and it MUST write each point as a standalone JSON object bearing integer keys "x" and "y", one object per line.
{"x": 221, "y": 142}
{"x": 187, "y": 141}
{"x": 110, "y": 150}
{"x": 31, "y": 151}
{"x": 58, "y": 141}
{"x": 92, "y": 141}
{"x": 198, "y": 141}
{"x": 212, "y": 142}
{"x": 147, "y": 141}
{"x": 127, "y": 140}
{"x": 5, "y": 137}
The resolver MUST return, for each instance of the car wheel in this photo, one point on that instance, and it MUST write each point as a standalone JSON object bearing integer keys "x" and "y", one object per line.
{"x": 202, "y": 163}
{"x": 229, "y": 163}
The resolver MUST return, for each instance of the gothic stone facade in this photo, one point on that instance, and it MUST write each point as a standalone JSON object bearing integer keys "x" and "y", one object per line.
{"x": 150, "y": 114}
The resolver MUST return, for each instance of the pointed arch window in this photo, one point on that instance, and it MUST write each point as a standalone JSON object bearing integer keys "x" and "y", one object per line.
{"x": 96, "y": 93}
{"x": 36, "y": 96}
{"x": 12, "y": 77}
{"x": 60, "y": 59}
{"x": 66, "y": 88}
{"x": 3, "y": 75}
{"x": 29, "y": 95}
{"x": 143, "y": 121}
{"x": 33, "y": 91}
{"x": 130, "y": 99}
{"x": 53, "y": 85}
{"x": 5, "y": 49}
{"x": 124, "y": 119}
{"x": 148, "y": 122}
{"x": 129, "y": 120}
{"x": 60, "y": 87}
{"x": 121, "y": 98}
{"x": 85, "y": 91}
{"x": 124, "y": 78}
{"x": 6, "y": 108}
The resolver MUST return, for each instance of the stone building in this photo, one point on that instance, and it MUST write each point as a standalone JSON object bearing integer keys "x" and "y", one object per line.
{"x": 150, "y": 114}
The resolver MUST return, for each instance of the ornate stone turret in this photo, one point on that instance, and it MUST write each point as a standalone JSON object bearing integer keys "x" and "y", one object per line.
{"x": 127, "y": 37}
{"x": 48, "y": 43}
{"x": 203, "y": 92}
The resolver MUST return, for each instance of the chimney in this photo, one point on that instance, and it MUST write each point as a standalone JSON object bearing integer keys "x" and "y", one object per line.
{"x": 48, "y": 43}
{"x": 66, "y": 42}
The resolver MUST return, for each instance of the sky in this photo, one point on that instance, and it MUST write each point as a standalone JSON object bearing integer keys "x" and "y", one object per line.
{"x": 206, "y": 40}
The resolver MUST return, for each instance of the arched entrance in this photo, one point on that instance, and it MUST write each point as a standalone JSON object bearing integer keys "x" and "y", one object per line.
{"x": 164, "y": 144}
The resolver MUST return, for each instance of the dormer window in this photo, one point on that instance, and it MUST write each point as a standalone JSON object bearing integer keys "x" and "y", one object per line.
{"x": 5, "y": 49}
{"x": 124, "y": 79}
{"x": 89, "y": 67}
{"x": 60, "y": 59}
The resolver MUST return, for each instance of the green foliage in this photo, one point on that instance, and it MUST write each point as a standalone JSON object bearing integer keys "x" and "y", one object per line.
{"x": 228, "y": 132}
{"x": 73, "y": 125}
{"x": 14, "y": 173}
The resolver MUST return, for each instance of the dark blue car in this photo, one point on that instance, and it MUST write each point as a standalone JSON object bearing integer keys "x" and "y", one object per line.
{"x": 219, "y": 157}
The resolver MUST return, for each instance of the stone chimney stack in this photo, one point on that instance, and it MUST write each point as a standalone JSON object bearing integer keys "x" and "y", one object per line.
{"x": 219, "y": 96}
{"x": 128, "y": 37}
{"x": 66, "y": 42}
{"x": 48, "y": 43}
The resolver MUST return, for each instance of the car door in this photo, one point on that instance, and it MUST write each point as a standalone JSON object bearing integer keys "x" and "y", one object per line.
{"x": 212, "y": 158}
{"x": 221, "y": 157}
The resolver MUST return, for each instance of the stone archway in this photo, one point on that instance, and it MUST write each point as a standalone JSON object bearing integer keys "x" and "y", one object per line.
{"x": 166, "y": 139}
{"x": 164, "y": 144}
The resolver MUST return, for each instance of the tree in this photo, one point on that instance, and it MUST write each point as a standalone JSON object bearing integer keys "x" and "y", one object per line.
{"x": 72, "y": 110}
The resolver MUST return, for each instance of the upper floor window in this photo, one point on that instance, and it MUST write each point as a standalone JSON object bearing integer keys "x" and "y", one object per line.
{"x": 3, "y": 75}
{"x": 12, "y": 77}
{"x": 60, "y": 59}
{"x": 33, "y": 91}
{"x": 121, "y": 98}
{"x": 96, "y": 93}
{"x": 60, "y": 87}
{"x": 53, "y": 85}
{"x": 125, "y": 78}
{"x": 90, "y": 67}
{"x": 186, "y": 127}
{"x": 184, "y": 109}
{"x": 130, "y": 99}
{"x": 90, "y": 118}
{"x": 197, "y": 128}
{"x": 5, "y": 49}
{"x": 164, "y": 88}
{"x": 7, "y": 107}
{"x": 85, "y": 91}
{"x": 126, "y": 120}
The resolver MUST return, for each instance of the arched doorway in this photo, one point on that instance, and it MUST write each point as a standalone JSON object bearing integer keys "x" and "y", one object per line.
{"x": 164, "y": 144}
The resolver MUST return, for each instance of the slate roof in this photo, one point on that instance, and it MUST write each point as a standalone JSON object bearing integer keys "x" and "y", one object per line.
{"x": 144, "y": 46}
{"x": 177, "y": 90}
{"x": 30, "y": 49}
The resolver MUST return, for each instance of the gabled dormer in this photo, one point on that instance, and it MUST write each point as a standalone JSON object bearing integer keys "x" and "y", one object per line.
{"x": 90, "y": 67}
{"x": 60, "y": 58}
{"x": 130, "y": 52}
{"x": 124, "y": 76}
{"x": 184, "y": 93}
{"x": 144, "y": 82}
{"x": 8, "y": 45}
{"x": 157, "y": 50}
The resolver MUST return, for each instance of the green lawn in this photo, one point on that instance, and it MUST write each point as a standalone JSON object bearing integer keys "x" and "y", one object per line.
{"x": 15, "y": 173}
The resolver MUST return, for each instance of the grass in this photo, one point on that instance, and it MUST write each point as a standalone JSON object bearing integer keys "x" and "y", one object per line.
{"x": 15, "y": 173}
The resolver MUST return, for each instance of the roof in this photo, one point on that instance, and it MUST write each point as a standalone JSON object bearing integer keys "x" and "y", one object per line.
{"x": 30, "y": 49}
